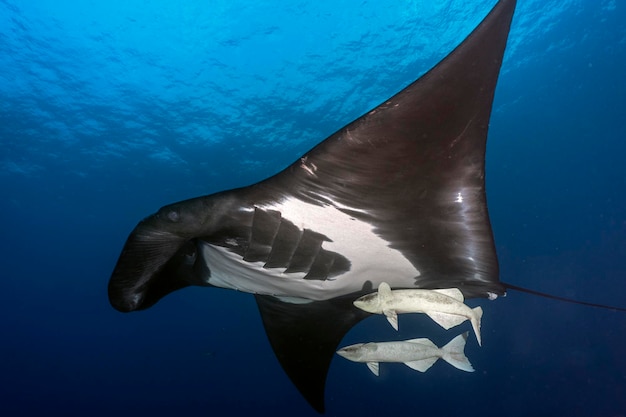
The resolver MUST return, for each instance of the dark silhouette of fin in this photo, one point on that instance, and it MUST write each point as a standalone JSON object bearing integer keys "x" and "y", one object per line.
{"x": 305, "y": 337}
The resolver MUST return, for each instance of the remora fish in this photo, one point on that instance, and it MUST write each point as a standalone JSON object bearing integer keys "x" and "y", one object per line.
{"x": 418, "y": 354}
{"x": 444, "y": 306}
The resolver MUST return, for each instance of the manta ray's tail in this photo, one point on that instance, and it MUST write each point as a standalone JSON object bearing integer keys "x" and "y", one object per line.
{"x": 556, "y": 297}
{"x": 454, "y": 354}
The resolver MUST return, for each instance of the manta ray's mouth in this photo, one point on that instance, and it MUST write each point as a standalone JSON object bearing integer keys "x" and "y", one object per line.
{"x": 152, "y": 268}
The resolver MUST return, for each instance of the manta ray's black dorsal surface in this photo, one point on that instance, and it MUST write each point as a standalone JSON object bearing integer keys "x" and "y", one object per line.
{"x": 397, "y": 195}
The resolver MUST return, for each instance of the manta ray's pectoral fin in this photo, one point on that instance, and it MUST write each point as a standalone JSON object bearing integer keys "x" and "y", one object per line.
{"x": 305, "y": 337}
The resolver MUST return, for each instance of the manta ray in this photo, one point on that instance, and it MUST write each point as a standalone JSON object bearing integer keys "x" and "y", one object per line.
{"x": 396, "y": 196}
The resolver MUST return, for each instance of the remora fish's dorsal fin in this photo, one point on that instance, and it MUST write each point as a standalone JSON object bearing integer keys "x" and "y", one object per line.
{"x": 423, "y": 341}
{"x": 384, "y": 292}
{"x": 452, "y": 293}
{"x": 305, "y": 337}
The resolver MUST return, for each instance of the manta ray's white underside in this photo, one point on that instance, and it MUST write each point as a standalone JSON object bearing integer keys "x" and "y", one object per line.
{"x": 371, "y": 258}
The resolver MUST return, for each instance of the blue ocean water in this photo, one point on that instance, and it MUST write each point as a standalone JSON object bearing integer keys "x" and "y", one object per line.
{"x": 112, "y": 109}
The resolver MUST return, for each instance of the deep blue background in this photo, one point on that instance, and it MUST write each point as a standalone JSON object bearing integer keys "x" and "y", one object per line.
{"x": 112, "y": 109}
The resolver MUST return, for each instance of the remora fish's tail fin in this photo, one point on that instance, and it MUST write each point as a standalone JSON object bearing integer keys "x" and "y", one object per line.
{"x": 305, "y": 337}
{"x": 478, "y": 315}
{"x": 454, "y": 354}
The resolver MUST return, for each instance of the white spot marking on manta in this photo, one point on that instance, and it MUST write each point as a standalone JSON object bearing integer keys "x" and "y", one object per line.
{"x": 492, "y": 295}
{"x": 459, "y": 198}
{"x": 310, "y": 169}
